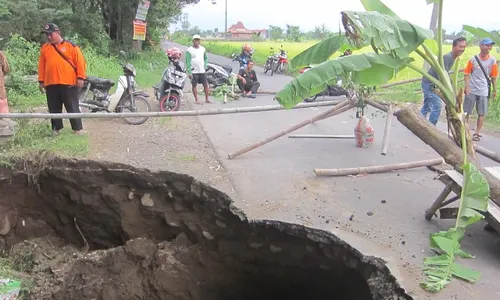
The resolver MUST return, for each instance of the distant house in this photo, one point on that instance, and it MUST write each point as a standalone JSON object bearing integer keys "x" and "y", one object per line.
{"x": 238, "y": 31}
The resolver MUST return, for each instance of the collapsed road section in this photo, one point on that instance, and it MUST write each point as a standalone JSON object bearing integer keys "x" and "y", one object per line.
{"x": 80, "y": 229}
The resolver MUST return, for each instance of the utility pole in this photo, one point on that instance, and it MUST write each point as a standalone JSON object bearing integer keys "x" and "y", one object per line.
{"x": 432, "y": 26}
{"x": 225, "y": 24}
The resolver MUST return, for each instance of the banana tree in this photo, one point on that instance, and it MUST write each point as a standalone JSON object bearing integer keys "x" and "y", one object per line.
{"x": 393, "y": 40}
{"x": 481, "y": 33}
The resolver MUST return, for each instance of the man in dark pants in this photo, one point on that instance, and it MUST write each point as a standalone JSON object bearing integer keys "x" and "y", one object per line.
{"x": 247, "y": 81}
{"x": 61, "y": 74}
{"x": 196, "y": 66}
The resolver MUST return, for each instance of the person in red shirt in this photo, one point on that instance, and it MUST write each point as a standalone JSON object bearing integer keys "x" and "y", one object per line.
{"x": 61, "y": 74}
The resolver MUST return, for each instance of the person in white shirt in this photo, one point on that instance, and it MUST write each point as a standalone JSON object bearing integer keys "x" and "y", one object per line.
{"x": 196, "y": 65}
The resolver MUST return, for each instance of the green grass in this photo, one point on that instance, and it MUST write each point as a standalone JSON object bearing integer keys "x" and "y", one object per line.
{"x": 410, "y": 92}
{"x": 37, "y": 136}
{"x": 226, "y": 48}
{"x": 23, "y": 96}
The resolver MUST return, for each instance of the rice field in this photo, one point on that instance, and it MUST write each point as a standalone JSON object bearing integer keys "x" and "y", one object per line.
{"x": 262, "y": 50}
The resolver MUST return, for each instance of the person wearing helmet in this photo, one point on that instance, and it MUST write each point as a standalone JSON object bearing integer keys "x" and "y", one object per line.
{"x": 246, "y": 55}
{"x": 196, "y": 64}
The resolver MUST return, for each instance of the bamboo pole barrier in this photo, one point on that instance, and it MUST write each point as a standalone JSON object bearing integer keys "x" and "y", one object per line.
{"x": 378, "y": 169}
{"x": 339, "y": 108}
{"x": 152, "y": 114}
{"x": 388, "y": 85}
{"x": 387, "y": 130}
{"x": 321, "y": 136}
{"x": 488, "y": 153}
{"x": 383, "y": 107}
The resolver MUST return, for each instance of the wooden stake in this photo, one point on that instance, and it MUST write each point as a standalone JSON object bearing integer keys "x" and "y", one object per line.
{"x": 387, "y": 130}
{"x": 378, "y": 169}
{"x": 321, "y": 136}
{"x": 337, "y": 109}
{"x": 488, "y": 153}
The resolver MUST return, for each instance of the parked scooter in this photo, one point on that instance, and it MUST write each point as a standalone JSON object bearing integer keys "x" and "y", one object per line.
{"x": 276, "y": 62}
{"x": 124, "y": 99}
{"x": 168, "y": 91}
{"x": 282, "y": 65}
{"x": 271, "y": 62}
{"x": 331, "y": 90}
{"x": 218, "y": 75}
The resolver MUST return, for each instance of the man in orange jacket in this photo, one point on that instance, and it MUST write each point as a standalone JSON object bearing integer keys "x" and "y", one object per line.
{"x": 61, "y": 74}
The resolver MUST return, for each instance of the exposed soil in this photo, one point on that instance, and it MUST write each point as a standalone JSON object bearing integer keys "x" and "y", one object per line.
{"x": 174, "y": 144}
{"x": 163, "y": 235}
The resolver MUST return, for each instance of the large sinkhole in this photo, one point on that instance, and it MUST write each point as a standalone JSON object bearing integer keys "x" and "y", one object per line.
{"x": 82, "y": 229}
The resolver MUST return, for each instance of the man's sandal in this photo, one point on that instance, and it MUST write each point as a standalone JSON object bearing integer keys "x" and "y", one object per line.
{"x": 476, "y": 137}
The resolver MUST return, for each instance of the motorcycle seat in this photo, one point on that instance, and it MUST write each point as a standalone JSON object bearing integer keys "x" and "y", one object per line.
{"x": 100, "y": 81}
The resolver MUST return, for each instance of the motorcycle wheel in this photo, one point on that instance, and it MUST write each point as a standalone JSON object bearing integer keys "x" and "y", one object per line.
{"x": 138, "y": 100}
{"x": 311, "y": 99}
{"x": 172, "y": 104}
{"x": 273, "y": 67}
{"x": 283, "y": 68}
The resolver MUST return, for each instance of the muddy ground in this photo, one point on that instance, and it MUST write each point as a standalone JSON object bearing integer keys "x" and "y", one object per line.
{"x": 80, "y": 229}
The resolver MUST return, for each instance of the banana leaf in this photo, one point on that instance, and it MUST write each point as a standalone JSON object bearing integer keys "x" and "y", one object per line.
{"x": 474, "y": 201}
{"x": 319, "y": 52}
{"x": 481, "y": 33}
{"x": 378, "y": 6}
{"x": 367, "y": 68}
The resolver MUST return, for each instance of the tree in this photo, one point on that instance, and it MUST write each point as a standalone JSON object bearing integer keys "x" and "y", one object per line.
{"x": 393, "y": 40}
{"x": 293, "y": 33}
{"x": 276, "y": 32}
{"x": 321, "y": 32}
{"x": 93, "y": 20}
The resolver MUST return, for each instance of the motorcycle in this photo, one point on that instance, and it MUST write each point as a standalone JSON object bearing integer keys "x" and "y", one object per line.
{"x": 169, "y": 91}
{"x": 125, "y": 97}
{"x": 331, "y": 90}
{"x": 218, "y": 75}
{"x": 271, "y": 62}
{"x": 282, "y": 65}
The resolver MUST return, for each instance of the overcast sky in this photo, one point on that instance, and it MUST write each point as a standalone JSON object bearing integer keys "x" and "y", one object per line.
{"x": 261, "y": 13}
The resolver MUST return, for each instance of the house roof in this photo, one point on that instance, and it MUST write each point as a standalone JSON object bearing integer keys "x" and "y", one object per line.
{"x": 236, "y": 26}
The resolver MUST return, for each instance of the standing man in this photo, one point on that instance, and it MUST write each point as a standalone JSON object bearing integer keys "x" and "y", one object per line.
{"x": 432, "y": 102}
{"x": 247, "y": 81}
{"x": 480, "y": 78}
{"x": 61, "y": 73}
{"x": 196, "y": 65}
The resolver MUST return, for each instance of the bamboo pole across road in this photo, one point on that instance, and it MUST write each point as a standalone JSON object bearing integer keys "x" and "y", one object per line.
{"x": 378, "y": 169}
{"x": 189, "y": 113}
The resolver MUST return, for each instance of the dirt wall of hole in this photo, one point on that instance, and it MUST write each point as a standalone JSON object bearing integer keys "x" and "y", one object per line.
{"x": 163, "y": 235}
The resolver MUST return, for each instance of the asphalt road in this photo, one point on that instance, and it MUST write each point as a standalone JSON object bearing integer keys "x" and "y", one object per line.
{"x": 381, "y": 214}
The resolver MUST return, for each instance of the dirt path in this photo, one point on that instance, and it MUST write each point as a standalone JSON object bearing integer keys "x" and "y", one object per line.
{"x": 173, "y": 144}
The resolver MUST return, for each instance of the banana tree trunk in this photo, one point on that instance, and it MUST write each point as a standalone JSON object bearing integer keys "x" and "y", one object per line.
{"x": 411, "y": 118}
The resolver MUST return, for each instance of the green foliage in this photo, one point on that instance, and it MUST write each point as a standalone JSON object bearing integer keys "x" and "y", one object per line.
{"x": 367, "y": 68}
{"x": 393, "y": 40}
{"x": 34, "y": 136}
{"x": 222, "y": 93}
{"x": 293, "y": 33}
{"x": 474, "y": 201}
{"x": 319, "y": 52}
{"x": 275, "y": 32}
